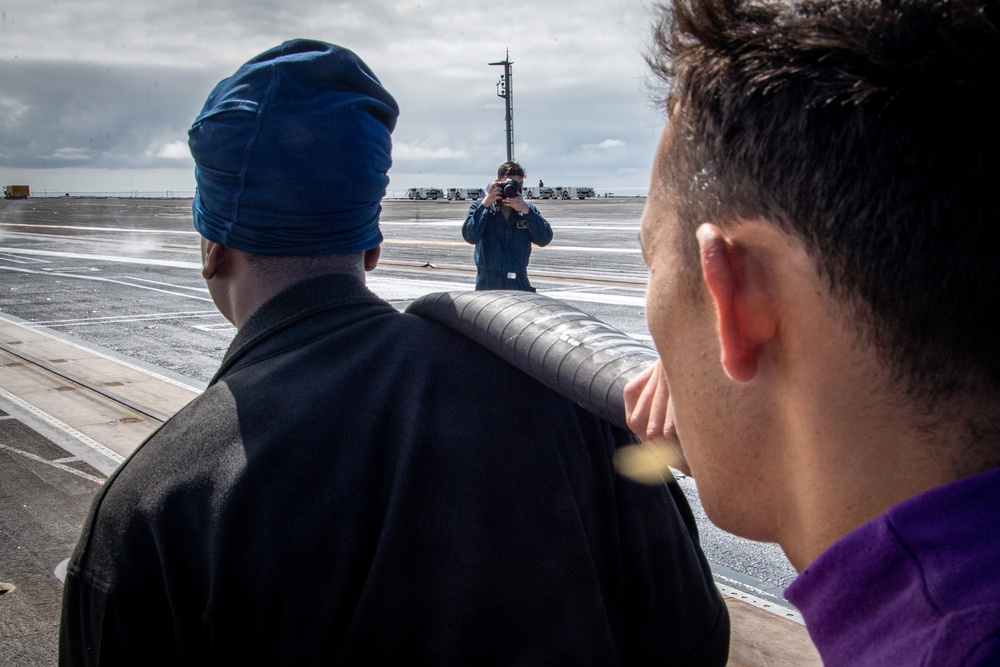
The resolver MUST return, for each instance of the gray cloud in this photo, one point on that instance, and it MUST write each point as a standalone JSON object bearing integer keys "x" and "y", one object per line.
{"x": 106, "y": 84}
{"x": 94, "y": 115}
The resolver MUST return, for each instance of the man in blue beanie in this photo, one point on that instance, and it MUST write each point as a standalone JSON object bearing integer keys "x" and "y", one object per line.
{"x": 358, "y": 485}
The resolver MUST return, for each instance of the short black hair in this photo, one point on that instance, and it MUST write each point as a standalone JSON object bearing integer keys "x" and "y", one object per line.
{"x": 511, "y": 169}
{"x": 865, "y": 128}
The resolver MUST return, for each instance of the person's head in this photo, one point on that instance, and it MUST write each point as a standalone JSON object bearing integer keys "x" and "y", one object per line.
{"x": 865, "y": 130}
{"x": 292, "y": 154}
{"x": 862, "y": 134}
{"x": 510, "y": 170}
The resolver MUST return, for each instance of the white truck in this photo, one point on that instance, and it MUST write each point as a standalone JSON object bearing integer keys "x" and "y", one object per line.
{"x": 539, "y": 193}
{"x": 459, "y": 194}
{"x": 573, "y": 193}
{"x": 424, "y": 193}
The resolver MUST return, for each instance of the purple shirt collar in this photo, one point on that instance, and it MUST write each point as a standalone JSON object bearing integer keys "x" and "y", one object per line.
{"x": 877, "y": 596}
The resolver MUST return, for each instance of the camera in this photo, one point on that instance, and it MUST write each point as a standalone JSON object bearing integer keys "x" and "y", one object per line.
{"x": 510, "y": 188}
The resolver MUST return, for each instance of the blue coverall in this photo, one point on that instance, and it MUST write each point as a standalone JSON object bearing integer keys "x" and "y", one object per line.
{"x": 503, "y": 246}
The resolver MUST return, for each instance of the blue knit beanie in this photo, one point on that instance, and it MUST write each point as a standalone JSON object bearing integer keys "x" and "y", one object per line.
{"x": 292, "y": 153}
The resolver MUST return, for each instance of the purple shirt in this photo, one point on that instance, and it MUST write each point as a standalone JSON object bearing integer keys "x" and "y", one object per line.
{"x": 918, "y": 585}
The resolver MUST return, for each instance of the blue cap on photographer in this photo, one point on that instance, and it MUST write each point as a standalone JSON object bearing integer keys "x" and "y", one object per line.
{"x": 292, "y": 153}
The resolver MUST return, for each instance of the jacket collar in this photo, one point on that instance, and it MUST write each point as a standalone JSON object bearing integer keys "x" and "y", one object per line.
{"x": 297, "y": 303}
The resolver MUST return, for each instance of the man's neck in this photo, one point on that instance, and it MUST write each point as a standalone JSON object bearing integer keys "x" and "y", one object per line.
{"x": 245, "y": 285}
{"x": 848, "y": 472}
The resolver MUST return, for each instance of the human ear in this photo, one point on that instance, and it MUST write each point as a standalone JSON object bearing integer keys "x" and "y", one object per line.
{"x": 371, "y": 257}
{"x": 212, "y": 257}
{"x": 746, "y": 322}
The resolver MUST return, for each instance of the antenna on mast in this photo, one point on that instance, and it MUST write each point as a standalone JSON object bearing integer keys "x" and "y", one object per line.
{"x": 504, "y": 90}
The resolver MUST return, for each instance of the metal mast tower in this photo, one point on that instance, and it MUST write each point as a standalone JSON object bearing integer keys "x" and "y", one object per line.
{"x": 504, "y": 89}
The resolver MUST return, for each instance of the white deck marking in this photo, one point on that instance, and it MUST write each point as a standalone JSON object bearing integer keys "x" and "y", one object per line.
{"x": 222, "y": 326}
{"x": 102, "y": 229}
{"x": 767, "y": 605}
{"x": 579, "y": 248}
{"x": 127, "y": 319}
{"x": 77, "y": 276}
{"x": 97, "y": 353}
{"x": 118, "y": 259}
{"x": 62, "y": 427}
{"x": 29, "y": 260}
{"x": 203, "y": 290}
{"x": 595, "y": 297}
{"x": 54, "y": 464}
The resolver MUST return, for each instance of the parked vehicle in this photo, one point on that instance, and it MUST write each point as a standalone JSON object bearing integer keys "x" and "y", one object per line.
{"x": 466, "y": 193}
{"x": 573, "y": 193}
{"x": 539, "y": 193}
{"x": 424, "y": 193}
{"x": 16, "y": 192}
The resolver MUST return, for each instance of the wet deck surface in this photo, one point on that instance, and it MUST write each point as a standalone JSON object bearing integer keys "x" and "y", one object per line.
{"x": 44, "y": 506}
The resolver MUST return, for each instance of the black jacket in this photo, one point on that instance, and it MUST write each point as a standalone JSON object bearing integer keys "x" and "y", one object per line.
{"x": 361, "y": 486}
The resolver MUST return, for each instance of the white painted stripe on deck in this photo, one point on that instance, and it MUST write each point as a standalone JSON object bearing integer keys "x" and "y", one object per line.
{"x": 54, "y": 464}
{"x": 120, "y": 259}
{"x": 761, "y": 603}
{"x": 103, "y": 229}
{"x": 29, "y": 260}
{"x": 62, "y": 427}
{"x": 575, "y": 248}
{"x": 116, "y": 319}
{"x": 594, "y": 297}
{"x": 203, "y": 290}
{"x": 97, "y": 353}
{"x": 77, "y": 276}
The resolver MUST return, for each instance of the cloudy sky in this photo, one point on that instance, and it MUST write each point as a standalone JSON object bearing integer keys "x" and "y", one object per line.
{"x": 97, "y": 95}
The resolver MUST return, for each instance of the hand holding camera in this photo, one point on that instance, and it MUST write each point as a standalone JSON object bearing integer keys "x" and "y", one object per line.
{"x": 510, "y": 188}
{"x": 501, "y": 190}
{"x": 508, "y": 192}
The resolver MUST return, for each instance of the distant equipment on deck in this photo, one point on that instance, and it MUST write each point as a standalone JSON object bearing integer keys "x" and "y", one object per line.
{"x": 16, "y": 192}
{"x": 459, "y": 194}
{"x": 558, "y": 193}
{"x": 424, "y": 193}
{"x": 539, "y": 193}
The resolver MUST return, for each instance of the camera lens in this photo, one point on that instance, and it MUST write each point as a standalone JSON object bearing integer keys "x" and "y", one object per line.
{"x": 510, "y": 189}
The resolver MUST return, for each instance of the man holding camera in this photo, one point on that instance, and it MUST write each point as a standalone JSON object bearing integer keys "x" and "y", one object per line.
{"x": 503, "y": 226}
